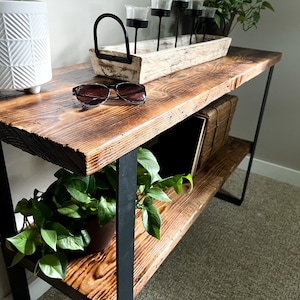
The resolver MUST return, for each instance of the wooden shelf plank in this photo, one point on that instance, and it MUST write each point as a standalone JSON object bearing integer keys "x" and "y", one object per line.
{"x": 52, "y": 125}
{"x": 94, "y": 275}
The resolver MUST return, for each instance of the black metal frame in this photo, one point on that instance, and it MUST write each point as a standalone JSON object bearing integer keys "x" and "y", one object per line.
{"x": 232, "y": 199}
{"x": 127, "y": 173}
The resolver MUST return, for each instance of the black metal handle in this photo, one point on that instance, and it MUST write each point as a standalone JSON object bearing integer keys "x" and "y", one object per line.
{"x": 127, "y": 59}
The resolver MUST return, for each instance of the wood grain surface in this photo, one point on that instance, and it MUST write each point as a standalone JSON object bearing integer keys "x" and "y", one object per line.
{"x": 53, "y": 126}
{"x": 149, "y": 64}
{"x": 94, "y": 275}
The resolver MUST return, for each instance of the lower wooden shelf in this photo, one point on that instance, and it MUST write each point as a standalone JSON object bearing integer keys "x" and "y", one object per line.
{"x": 93, "y": 276}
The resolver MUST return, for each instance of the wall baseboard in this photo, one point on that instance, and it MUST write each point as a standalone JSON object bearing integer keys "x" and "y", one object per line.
{"x": 273, "y": 171}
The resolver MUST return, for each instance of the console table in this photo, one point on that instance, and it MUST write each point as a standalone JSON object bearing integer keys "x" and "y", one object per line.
{"x": 53, "y": 126}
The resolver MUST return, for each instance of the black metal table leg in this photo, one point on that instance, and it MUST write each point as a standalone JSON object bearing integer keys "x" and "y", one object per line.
{"x": 127, "y": 172}
{"x": 16, "y": 274}
{"x": 230, "y": 198}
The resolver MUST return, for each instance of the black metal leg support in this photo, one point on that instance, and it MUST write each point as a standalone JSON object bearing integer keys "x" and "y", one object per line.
{"x": 16, "y": 274}
{"x": 230, "y": 198}
{"x": 127, "y": 172}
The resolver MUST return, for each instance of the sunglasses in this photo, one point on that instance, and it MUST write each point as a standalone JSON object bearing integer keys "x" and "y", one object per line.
{"x": 91, "y": 95}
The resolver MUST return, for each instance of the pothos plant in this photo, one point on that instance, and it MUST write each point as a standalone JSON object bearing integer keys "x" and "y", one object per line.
{"x": 60, "y": 214}
{"x": 247, "y": 12}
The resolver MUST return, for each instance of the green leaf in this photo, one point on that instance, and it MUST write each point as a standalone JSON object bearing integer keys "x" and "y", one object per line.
{"x": 17, "y": 258}
{"x": 78, "y": 195}
{"x": 63, "y": 261}
{"x": 173, "y": 181}
{"x": 62, "y": 173}
{"x": 158, "y": 194}
{"x": 53, "y": 266}
{"x": 71, "y": 242}
{"x": 60, "y": 229}
{"x": 148, "y": 201}
{"x": 86, "y": 237}
{"x": 148, "y": 161}
{"x": 151, "y": 220}
{"x": 217, "y": 20}
{"x": 24, "y": 207}
{"x": 144, "y": 180}
{"x": 241, "y": 18}
{"x": 24, "y": 241}
{"x": 70, "y": 210}
{"x": 256, "y": 17}
{"x": 106, "y": 210}
{"x": 91, "y": 186}
{"x": 176, "y": 182}
{"x": 111, "y": 175}
{"x": 266, "y": 4}
{"x": 41, "y": 211}
{"x": 79, "y": 183}
{"x": 50, "y": 237}
{"x": 9, "y": 245}
{"x": 189, "y": 178}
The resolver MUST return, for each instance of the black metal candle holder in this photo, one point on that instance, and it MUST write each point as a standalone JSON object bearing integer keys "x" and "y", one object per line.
{"x": 136, "y": 24}
{"x": 160, "y": 13}
{"x": 208, "y": 15}
{"x": 195, "y": 13}
{"x": 179, "y": 5}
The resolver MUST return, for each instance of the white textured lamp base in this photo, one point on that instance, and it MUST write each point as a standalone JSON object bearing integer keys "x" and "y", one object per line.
{"x": 25, "y": 61}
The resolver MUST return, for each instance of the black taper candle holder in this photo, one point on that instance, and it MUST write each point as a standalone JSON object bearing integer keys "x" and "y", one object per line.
{"x": 136, "y": 24}
{"x": 179, "y": 5}
{"x": 160, "y": 13}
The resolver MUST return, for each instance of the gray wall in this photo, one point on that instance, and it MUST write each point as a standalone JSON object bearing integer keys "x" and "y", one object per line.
{"x": 71, "y": 24}
{"x": 279, "y": 141}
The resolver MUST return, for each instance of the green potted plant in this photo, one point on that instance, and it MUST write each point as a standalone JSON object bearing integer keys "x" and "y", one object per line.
{"x": 60, "y": 214}
{"x": 245, "y": 12}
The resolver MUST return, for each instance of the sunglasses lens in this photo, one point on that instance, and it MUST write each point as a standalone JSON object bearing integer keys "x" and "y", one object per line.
{"x": 92, "y": 95}
{"x": 132, "y": 92}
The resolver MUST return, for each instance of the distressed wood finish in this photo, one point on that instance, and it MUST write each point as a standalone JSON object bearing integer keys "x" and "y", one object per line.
{"x": 165, "y": 61}
{"x": 53, "y": 126}
{"x": 94, "y": 275}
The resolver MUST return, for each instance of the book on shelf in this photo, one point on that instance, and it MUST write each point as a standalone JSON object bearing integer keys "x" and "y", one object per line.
{"x": 178, "y": 149}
